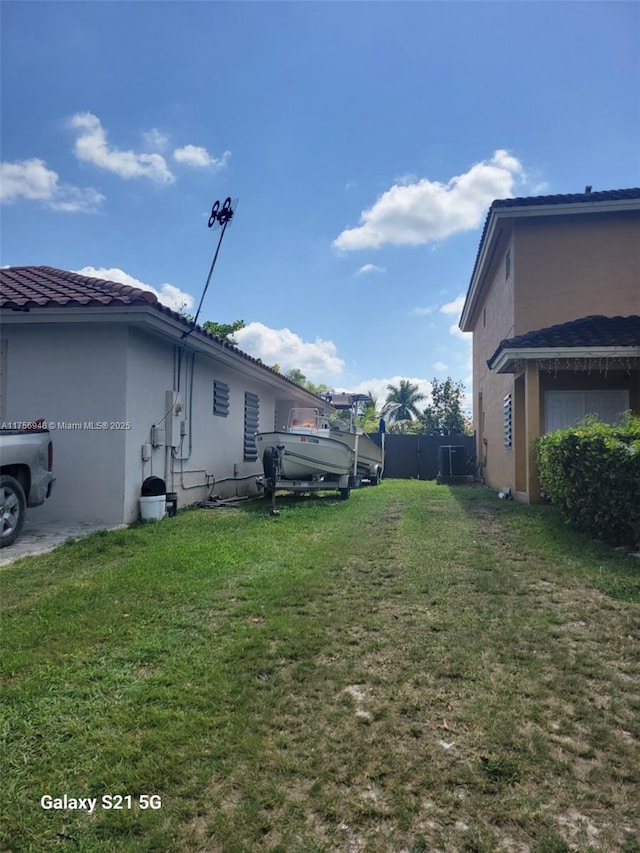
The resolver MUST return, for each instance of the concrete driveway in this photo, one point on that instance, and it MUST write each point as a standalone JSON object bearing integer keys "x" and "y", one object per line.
{"x": 40, "y": 537}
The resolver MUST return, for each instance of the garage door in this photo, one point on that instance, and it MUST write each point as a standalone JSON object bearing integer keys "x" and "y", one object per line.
{"x": 566, "y": 408}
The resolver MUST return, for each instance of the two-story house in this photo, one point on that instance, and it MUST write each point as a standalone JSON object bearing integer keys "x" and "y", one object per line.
{"x": 554, "y": 308}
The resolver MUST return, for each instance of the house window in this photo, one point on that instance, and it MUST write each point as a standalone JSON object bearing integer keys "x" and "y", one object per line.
{"x": 566, "y": 408}
{"x": 220, "y": 398}
{"x": 251, "y": 423}
{"x": 508, "y": 420}
{"x": 507, "y": 264}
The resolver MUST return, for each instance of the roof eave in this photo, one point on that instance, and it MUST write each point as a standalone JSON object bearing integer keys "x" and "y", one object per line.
{"x": 506, "y": 359}
{"x": 474, "y": 288}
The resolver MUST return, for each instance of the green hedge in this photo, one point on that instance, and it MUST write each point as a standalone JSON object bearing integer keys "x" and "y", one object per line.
{"x": 592, "y": 473}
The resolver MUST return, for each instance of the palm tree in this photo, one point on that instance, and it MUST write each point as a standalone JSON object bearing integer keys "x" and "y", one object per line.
{"x": 401, "y": 403}
{"x": 371, "y": 415}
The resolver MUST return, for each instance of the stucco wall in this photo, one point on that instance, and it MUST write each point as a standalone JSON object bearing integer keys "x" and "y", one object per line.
{"x": 574, "y": 266}
{"x": 210, "y": 456}
{"x": 73, "y": 374}
{"x": 148, "y": 375}
{"x": 217, "y": 441}
{"x": 495, "y": 321}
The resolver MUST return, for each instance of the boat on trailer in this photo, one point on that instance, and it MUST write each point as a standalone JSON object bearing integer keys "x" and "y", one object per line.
{"x": 369, "y": 455}
{"x": 314, "y": 454}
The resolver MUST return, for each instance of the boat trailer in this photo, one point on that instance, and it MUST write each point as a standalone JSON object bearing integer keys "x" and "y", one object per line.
{"x": 272, "y": 481}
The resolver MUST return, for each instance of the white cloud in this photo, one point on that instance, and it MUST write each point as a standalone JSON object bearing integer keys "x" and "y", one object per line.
{"x": 454, "y": 307}
{"x": 194, "y": 155}
{"x": 440, "y": 366}
{"x": 27, "y": 179}
{"x": 317, "y": 360}
{"x": 33, "y": 180}
{"x": 426, "y": 211}
{"x": 378, "y": 387}
{"x": 405, "y": 180}
{"x": 155, "y": 140}
{"x": 76, "y": 199}
{"x": 91, "y": 147}
{"x": 173, "y": 297}
{"x": 458, "y": 333}
{"x": 420, "y": 312}
{"x": 168, "y": 294}
{"x": 368, "y": 268}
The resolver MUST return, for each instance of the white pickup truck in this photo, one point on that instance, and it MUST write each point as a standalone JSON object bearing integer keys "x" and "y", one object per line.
{"x": 26, "y": 474}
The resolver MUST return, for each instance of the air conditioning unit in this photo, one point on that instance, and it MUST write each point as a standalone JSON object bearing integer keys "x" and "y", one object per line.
{"x": 452, "y": 460}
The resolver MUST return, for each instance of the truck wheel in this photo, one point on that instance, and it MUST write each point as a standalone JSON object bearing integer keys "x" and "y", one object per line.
{"x": 344, "y": 494}
{"x": 12, "y": 510}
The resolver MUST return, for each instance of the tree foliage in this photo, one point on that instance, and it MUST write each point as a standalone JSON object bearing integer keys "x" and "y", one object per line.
{"x": 444, "y": 416}
{"x": 402, "y": 401}
{"x": 224, "y": 330}
{"x": 298, "y": 376}
{"x": 371, "y": 415}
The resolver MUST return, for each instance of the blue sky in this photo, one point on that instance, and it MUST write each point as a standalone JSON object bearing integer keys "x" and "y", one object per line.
{"x": 364, "y": 141}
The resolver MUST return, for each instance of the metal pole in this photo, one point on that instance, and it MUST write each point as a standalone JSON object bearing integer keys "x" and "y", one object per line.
{"x": 213, "y": 263}
{"x": 223, "y": 215}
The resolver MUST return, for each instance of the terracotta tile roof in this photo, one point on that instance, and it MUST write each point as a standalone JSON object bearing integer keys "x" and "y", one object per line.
{"x": 31, "y": 287}
{"x": 568, "y": 198}
{"x": 22, "y": 288}
{"x": 594, "y": 331}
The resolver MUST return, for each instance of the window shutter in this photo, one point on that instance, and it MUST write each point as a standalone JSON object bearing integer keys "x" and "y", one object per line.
{"x": 220, "y": 398}
{"x": 508, "y": 420}
{"x": 251, "y": 425}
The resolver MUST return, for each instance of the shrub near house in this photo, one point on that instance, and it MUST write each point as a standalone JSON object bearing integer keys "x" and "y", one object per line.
{"x": 592, "y": 473}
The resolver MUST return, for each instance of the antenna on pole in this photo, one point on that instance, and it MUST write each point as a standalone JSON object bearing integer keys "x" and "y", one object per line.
{"x": 220, "y": 217}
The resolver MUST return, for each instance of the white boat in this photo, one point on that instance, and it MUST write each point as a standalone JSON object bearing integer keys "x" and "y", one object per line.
{"x": 369, "y": 455}
{"x": 308, "y": 448}
{"x": 313, "y": 454}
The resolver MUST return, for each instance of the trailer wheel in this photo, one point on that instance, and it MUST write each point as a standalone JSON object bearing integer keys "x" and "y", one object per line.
{"x": 344, "y": 494}
{"x": 268, "y": 462}
{"x": 12, "y": 510}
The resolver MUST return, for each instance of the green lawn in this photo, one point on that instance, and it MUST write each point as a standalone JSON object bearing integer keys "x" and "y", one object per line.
{"x": 419, "y": 668}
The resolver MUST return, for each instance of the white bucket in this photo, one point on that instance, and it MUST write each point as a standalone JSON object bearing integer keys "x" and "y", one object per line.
{"x": 152, "y": 508}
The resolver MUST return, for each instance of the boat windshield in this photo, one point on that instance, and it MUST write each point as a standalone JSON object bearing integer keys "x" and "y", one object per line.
{"x": 303, "y": 419}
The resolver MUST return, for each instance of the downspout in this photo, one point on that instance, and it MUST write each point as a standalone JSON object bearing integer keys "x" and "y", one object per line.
{"x": 177, "y": 455}
{"x": 189, "y": 415}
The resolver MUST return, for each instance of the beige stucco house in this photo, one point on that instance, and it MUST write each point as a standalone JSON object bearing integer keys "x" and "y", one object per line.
{"x": 131, "y": 390}
{"x": 554, "y": 308}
